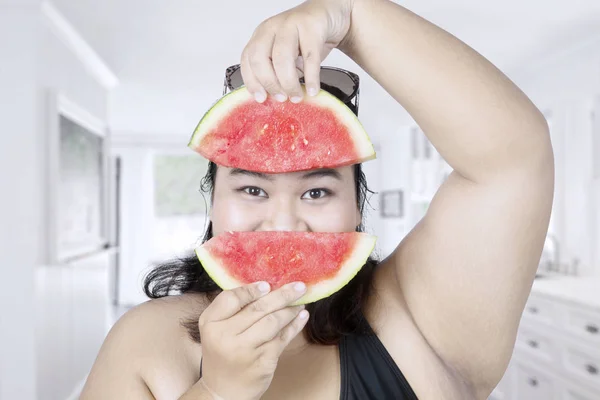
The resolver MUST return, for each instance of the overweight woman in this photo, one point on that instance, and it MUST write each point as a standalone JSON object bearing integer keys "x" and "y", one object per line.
{"x": 438, "y": 318}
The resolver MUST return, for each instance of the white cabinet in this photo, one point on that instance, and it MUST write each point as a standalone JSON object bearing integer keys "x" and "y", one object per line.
{"x": 72, "y": 320}
{"x": 557, "y": 351}
{"x": 575, "y": 393}
{"x": 533, "y": 383}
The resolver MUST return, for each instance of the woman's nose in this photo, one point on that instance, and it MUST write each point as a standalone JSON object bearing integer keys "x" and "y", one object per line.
{"x": 282, "y": 215}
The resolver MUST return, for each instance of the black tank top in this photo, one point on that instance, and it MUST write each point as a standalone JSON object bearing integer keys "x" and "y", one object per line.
{"x": 368, "y": 371}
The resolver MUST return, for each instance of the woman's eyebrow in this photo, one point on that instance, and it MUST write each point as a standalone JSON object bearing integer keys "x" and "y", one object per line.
{"x": 239, "y": 171}
{"x": 323, "y": 172}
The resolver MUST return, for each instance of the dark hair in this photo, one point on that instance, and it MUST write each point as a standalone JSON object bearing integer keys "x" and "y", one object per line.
{"x": 330, "y": 318}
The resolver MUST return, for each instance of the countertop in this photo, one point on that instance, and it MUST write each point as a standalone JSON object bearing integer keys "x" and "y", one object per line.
{"x": 580, "y": 290}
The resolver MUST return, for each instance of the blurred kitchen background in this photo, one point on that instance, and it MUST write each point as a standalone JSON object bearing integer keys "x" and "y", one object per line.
{"x": 98, "y": 100}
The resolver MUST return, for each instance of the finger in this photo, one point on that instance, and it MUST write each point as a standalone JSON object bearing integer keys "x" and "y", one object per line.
{"x": 285, "y": 54}
{"x": 276, "y": 345}
{"x": 250, "y": 80}
{"x": 229, "y": 302}
{"x": 259, "y": 62}
{"x": 300, "y": 66}
{"x": 268, "y": 327}
{"x": 274, "y": 301}
{"x": 311, "y": 59}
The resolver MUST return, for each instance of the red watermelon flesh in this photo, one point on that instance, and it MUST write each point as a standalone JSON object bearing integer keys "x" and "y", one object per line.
{"x": 324, "y": 261}
{"x": 275, "y": 137}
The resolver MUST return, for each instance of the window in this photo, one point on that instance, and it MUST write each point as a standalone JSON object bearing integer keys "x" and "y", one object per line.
{"x": 80, "y": 190}
{"x": 180, "y": 209}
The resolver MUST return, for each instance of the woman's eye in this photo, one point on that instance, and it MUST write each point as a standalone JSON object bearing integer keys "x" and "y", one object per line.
{"x": 254, "y": 191}
{"x": 315, "y": 194}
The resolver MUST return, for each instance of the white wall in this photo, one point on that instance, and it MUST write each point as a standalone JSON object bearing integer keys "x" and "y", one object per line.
{"x": 596, "y": 184}
{"x": 22, "y": 196}
{"x": 36, "y": 297}
{"x": 395, "y": 175}
{"x": 136, "y": 220}
{"x": 155, "y": 110}
{"x": 61, "y": 69}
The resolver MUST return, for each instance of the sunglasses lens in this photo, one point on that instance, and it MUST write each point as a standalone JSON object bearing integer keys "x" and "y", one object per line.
{"x": 235, "y": 79}
{"x": 338, "y": 83}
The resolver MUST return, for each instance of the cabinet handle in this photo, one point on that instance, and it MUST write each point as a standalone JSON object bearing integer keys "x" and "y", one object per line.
{"x": 533, "y": 344}
{"x": 533, "y": 382}
{"x": 592, "y": 369}
{"x": 592, "y": 329}
{"x": 533, "y": 310}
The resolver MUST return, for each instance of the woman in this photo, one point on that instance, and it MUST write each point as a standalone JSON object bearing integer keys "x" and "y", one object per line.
{"x": 443, "y": 308}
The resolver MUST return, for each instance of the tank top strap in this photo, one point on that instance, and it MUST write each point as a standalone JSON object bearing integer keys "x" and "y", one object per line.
{"x": 368, "y": 371}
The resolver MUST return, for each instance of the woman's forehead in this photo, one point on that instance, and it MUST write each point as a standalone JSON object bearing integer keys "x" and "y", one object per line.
{"x": 341, "y": 173}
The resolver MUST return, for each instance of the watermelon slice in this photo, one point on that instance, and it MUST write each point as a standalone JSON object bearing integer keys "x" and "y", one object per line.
{"x": 325, "y": 262}
{"x": 274, "y": 137}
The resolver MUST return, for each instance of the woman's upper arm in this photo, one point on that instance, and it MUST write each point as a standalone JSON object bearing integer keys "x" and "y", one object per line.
{"x": 466, "y": 270}
{"x": 116, "y": 372}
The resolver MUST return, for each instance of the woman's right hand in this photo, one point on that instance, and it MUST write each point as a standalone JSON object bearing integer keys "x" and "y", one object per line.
{"x": 296, "y": 40}
{"x": 243, "y": 333}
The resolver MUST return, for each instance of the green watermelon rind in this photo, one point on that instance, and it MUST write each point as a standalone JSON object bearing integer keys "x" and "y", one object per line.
{"x": 351, "y": 266}
{"x": 220, "y": 109}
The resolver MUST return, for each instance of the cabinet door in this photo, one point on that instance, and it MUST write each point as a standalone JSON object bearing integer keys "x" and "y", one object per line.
{"x": 573, "y": 393}
{"x": 539, "y": 345}
{"x": 542, "y": 311}
{"x": 583, "y": 363}
{"x": 533, "y": 384}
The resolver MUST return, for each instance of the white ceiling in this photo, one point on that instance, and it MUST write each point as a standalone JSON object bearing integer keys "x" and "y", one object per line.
{"x": 173, "y": 53}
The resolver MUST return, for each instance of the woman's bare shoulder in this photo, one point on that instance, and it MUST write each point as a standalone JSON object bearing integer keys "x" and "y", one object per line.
{"x": 161, "y": 323}
{"x": 148, "y": 342}
{"x": 169, "y": 308}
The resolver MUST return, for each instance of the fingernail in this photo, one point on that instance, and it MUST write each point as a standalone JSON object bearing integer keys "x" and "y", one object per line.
{"x": 263, "y": 287}
{"x": 303, "y": 314}
{"x": 312, "y": 91}
{"x": 299, "y": 287}
{"x": 260, "y": 97}
{"x": 280, "y": 97}
{"x": 296, "y": 99}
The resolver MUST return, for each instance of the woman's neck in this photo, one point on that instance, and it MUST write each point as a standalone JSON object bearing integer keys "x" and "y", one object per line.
{"x": 297, "y": 345}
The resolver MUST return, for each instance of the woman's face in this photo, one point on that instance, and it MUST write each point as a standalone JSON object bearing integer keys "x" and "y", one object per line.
{"x": 321, "y": 200}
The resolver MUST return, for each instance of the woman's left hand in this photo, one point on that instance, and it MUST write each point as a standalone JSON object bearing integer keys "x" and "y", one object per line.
{"x": 293, "y": 43}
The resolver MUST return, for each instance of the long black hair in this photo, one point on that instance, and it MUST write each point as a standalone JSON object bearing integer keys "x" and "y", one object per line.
{"x": 330, "y": 318}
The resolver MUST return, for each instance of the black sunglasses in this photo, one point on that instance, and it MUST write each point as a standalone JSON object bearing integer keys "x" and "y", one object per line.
{"x": 343, "y": 84}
